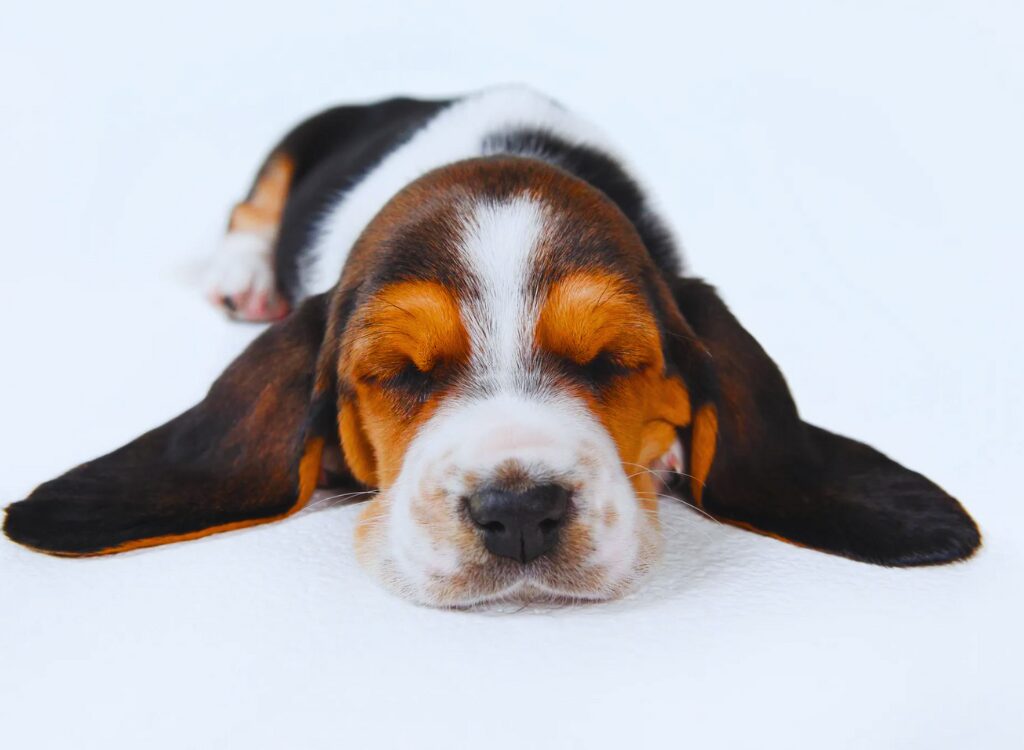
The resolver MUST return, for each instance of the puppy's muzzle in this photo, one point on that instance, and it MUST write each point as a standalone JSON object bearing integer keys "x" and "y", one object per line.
{"x": 521, "y": 524}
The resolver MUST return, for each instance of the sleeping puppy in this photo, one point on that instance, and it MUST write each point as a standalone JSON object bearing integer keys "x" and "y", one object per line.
{"x": 512, "y": 358}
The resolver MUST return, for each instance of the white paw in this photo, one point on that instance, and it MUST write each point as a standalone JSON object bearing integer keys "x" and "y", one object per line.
{"x": 240, "y": 278}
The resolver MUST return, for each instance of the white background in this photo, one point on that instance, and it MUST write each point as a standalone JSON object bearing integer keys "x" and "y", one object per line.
{"x": 849, "y": 174}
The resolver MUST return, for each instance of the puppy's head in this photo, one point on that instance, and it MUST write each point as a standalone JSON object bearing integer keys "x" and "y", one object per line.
{"x": 505, "y": 380}
{"x": 504, "y": 363}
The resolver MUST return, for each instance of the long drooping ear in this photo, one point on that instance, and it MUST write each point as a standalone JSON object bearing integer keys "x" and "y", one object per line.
{"x": 250, "y": 452}
{"x": 765, "y": 469}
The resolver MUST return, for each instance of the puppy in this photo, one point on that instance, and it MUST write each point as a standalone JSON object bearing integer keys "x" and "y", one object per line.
{"x": 483, "y": 319}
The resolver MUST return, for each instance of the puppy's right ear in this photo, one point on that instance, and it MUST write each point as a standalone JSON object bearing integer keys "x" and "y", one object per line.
{"x": 249, "y": 453}
{"x": 757, "y": 464}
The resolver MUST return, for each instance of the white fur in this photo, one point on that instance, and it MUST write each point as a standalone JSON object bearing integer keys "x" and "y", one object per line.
{"x": 242, "y": 263}
{"x": 497, "y": 250}
{"x": 455, "y": 133}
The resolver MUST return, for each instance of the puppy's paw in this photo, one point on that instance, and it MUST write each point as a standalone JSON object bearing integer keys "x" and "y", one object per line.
{"x": 240, "y": 279}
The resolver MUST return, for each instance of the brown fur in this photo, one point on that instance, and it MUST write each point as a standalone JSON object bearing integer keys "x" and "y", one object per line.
{"x": 261, "y": 211}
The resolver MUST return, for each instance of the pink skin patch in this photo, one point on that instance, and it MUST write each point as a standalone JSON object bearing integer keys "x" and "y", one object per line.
{"x": 669, "y": 466}
{"x": 257, "y": 306}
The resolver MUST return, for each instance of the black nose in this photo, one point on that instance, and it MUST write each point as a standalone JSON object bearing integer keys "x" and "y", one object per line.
{"x": 521, "y": 524}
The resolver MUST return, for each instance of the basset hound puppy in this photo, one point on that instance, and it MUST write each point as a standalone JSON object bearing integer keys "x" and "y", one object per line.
{"x": 482, "y": 320}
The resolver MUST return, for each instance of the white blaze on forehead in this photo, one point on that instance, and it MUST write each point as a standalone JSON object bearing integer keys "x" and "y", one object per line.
{"x": 498, "y": 247}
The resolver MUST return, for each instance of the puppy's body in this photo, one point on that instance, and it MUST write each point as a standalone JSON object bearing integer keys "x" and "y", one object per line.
{"x": 484, "y": 321}
{"x": 346, "y": 163}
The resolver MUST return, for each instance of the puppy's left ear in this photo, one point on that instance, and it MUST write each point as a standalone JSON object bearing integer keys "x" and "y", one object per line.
{"x": 756, "y": 464}
{"x": 250, "y": 452}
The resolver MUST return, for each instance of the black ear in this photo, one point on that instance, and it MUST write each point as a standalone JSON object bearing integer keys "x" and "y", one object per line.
{"x": 250, "y": 452}
{"x": 767, "y": 470}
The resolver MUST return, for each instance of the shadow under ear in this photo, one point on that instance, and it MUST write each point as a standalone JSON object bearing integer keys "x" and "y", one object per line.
{"x": 771, "y": 472}
{"x": 250, "y": 452}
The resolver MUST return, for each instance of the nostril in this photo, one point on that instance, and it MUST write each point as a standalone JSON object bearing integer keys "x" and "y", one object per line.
{"x": 494, "y": 527}
{"x": 550, "y": 524}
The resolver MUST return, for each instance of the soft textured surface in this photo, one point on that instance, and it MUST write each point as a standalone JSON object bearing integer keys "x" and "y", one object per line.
{"x": 849, "y": 179}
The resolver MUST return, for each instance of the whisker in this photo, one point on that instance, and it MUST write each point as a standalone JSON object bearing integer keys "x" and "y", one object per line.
{"x": 348, "y": 494}
{"x": 656, "y": 472}
{"x": 325, "y": 500}
{"x": 653, "y": 513}
{"x": 684, "y": 502}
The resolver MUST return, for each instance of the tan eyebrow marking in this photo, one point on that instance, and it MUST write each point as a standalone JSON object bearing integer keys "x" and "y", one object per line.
{"x": 408, "y": 321}
{"x": 588, "y": 312}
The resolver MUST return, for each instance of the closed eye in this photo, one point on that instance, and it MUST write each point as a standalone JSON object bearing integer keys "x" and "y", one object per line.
{"x": 601, "y": 370}
{"x": 410, "y": 379}
{"x": 407, "y": 380}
